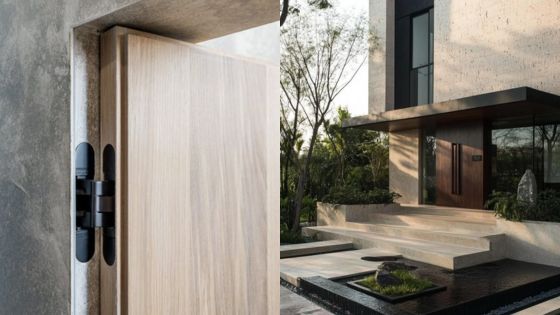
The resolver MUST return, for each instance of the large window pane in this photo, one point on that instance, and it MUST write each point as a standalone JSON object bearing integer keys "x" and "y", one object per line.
{"x": 514, "y": 153}
{"x": 420, "y": 85}
{"x": 550, "y": 136}
{"x": 429, "y": 167}
{"x": 420, "y": 40}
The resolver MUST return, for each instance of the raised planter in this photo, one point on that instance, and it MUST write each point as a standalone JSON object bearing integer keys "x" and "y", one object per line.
{"x": 532, "y": 241}
{"x": 393, "y": 299}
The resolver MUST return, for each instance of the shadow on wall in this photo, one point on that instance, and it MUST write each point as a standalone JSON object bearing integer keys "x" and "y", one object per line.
{"x": 509, "y": 46}
{"x": 403, "y": 165}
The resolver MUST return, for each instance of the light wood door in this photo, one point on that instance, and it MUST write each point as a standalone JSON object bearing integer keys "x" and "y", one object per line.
{"x": 197, "y": 150}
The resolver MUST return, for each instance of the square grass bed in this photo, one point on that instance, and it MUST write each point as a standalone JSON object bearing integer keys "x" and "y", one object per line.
{"x": 412, "y": 287}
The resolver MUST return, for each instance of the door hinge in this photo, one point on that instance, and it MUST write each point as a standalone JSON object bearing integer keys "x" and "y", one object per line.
{"x": 95, "y": 202}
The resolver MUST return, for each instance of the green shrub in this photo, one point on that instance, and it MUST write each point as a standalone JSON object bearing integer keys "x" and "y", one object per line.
{"x": 352, "y": 196}
{"x": 506, "y": 206}
{"x": 287, "y": 236}
{"x": 308, "y": 209}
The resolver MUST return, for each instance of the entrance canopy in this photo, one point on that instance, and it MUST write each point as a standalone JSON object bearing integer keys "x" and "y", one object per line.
{"x": 518, "y": 106}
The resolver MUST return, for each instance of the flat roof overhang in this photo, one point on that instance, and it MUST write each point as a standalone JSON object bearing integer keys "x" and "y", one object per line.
{"x": 523, "y": 105}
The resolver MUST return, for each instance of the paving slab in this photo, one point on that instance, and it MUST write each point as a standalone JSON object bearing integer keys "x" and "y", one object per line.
{"x": 305, "y": 249}
{"x": 332, "y": 265}
{"x": 293, "y": 304}
{"x": 550, "y": 307}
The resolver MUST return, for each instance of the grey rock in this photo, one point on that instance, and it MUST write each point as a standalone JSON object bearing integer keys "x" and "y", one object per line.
{"x": 393, "y": 265}
{"x": 385, "y": 278}
{"x": 527, "y": 189}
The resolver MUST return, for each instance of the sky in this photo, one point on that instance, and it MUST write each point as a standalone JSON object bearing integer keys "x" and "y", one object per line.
{"x": 262, "y": 43}
{"x": 355, "y": 96}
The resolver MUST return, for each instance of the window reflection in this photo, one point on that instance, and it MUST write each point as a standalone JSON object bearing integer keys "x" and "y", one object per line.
{"x": 429, "y": 167}
{"x": 517, "y": 149}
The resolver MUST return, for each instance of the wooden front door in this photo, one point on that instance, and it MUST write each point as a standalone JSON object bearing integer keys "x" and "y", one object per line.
{"x": 196, "y": 139}
{"x": 460, "y": 166}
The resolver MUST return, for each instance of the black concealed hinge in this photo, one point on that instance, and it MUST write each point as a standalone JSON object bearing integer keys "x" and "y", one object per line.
{"x": 95, "y": 203}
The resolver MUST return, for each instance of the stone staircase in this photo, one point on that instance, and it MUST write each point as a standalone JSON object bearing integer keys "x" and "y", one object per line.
{"x": 448, "y": 237}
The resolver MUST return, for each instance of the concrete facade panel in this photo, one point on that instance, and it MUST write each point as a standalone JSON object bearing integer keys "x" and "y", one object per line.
{"x": 485, "y": 46}
{"x": 404, "y": 168}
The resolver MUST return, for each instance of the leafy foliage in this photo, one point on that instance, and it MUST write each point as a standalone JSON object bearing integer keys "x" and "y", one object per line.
{"x": 322, "y": 51}
{"x": 350, "y": 196}
{"x": 506, "y": 206}
{"x": 411, "y": 284}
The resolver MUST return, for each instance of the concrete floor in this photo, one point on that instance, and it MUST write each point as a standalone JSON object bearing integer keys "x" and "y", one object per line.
{"x": 332, "y": 265}
{"x": 293, "y": 304}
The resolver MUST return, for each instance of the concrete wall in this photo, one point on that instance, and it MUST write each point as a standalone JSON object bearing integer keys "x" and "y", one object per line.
{"x": 404, "y": 167}
{"x": 482, "y": 46}
{"x": 381, "y": 61}
{"x": 532, "y": 241}
{"x": 35, "y": 151}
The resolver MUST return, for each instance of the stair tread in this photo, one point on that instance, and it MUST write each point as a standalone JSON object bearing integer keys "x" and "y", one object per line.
{"x": 434, "y": 247}
{"x": 461, "y": 233}
{"x": 439, "y": 217}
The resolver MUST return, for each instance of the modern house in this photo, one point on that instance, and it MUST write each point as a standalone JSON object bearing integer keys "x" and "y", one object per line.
{"x": 468, "y": 93}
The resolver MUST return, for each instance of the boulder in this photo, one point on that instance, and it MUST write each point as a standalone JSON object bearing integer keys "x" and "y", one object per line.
{"x": 385, "y": 278}
{"x": 527, "y": 189}
{"x": 394, "y": 265}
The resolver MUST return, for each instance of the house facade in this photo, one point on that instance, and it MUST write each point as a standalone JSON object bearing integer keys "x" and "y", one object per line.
{"x": 468, "y": 92}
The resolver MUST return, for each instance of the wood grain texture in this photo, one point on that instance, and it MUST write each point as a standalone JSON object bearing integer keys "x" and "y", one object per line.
{"x": 471, "y": 138}
{"x": 197, "y": 164}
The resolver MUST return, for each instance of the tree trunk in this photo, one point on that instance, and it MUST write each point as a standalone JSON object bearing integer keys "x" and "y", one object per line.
{"x": 284, "y": 13}
{"x": 302, "y": 181}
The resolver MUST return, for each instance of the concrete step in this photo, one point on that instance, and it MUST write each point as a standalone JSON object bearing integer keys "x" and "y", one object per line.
{"x": 431, "y": 221}
{"x": 461, "y": 238}
{"x": 444, "y": 255}
{"x": 471, "y": 214}
{"x": 312, "y": 248}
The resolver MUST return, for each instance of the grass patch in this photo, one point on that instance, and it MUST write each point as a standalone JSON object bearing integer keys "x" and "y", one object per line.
{"x": 411, "y": 284}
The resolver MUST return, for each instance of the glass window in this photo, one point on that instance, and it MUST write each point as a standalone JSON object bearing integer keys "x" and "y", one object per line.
{"x": 513, "y": 154}
{"x": 514, "y": 150}
{"x": 429, "y": 167}
{"x": 422, "y": 70}
{"x": 550, "y": 137}
{"x": 421, "y": 40}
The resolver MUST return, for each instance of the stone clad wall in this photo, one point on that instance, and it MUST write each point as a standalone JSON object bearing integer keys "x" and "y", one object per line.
{"x": 483, "y": 46}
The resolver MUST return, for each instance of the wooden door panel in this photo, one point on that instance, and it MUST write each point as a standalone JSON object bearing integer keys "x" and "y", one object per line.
{"x": 198, "y": 186}
{"x": 470, "y": 137}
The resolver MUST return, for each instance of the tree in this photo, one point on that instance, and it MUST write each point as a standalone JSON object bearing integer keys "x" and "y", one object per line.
{"x": 325, "y": 50}
{"x": 319, "y": 4}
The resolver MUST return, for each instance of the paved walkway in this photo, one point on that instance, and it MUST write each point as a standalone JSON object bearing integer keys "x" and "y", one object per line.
{"x": 293, "y": 304}
{"x": 549, "y": 307}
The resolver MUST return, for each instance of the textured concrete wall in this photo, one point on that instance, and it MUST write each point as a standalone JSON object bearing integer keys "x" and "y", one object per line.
{"x": 483, "y": 46}
{"x": 404, "y": 165}
{"x": 381, "y": 61}
{"x": 35, "y": 151}
{"x": 532, "y": 241}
